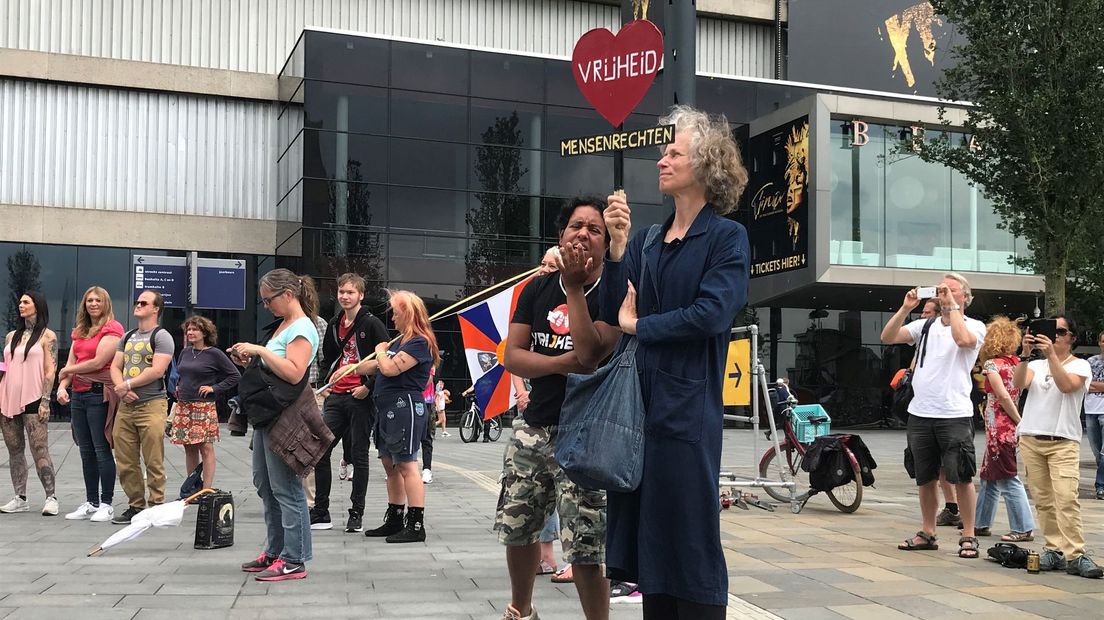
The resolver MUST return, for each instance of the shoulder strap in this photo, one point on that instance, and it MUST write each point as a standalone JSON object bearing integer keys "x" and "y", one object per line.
{"x": 653, "y": 232}
{"x": 344, "y": 341}
{"x": 922, "y": 346}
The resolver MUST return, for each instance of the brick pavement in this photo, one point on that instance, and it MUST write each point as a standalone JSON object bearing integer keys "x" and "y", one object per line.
{"x": 817, "y": 564}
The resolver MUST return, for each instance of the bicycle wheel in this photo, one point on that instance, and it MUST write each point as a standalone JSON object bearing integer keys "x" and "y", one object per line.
{"x": 791, "y": 470}
{"x": 494, "y": 429}
{"x": 468, "y": 430}
{"x": 848, "y": 497}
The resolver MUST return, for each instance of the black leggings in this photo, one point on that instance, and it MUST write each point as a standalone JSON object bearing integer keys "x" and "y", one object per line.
{"x": 667, "y": 607}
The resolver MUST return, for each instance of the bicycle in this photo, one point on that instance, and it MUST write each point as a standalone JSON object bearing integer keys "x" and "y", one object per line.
{"x": 470, "y": 424}
{"x": 846, "y": 497}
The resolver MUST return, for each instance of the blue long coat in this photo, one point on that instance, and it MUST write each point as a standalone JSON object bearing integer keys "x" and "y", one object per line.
{"x": 665, "y": 536}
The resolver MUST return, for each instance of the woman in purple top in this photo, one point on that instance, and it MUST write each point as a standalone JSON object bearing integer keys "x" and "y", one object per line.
{"x": 205, "y": 373}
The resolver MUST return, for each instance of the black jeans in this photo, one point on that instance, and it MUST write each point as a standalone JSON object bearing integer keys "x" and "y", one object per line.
{"x": 667, "y": 607}
{"x": 344, "y": 413}
{"x": 427, "y": 439}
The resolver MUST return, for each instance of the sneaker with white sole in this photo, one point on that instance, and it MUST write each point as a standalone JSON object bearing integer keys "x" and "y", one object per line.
{"x": 104, "y": 514}
{"x": 18, "y": 504}
{"x": 512, "y": 613}
{"x": 446, "y": 434}
{"x": 282, "y": 571}
{"x": 427, "y": 476}
{"x": 343, "y": 471}
{"x": 83, "y": 512}
{"x": 50, "y": 508}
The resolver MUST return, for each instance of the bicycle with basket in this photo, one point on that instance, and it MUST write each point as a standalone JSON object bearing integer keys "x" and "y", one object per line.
{"x": 806, "y": 437}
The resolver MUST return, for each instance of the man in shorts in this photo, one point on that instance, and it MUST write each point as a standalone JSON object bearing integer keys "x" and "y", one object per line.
{"x": 940, "y": 426}
{"x": 539, "y": 347}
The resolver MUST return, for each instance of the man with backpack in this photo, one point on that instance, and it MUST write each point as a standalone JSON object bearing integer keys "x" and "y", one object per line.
{"x": 940, "y": 430}
{"x": 138, "y": 372}
{"x": 351, "y": 336}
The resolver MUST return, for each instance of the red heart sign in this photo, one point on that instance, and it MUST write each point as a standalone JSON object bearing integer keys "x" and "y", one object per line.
{"x": 614, "y": 72}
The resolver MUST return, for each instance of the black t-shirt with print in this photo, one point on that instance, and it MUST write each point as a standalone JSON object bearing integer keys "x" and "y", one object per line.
{"x": 542, "y": 306}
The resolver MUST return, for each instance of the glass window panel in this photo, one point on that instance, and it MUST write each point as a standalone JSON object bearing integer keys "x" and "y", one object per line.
{"x": 328, "y": 253}
{"x": 858, "y": 196}
{"x": 513, "y": 215}
{"x": 428, "y": 209}
{"x": 428, "y": 115}
{"x": 918, "y": 219}
{"x": 365, "y": 156}
{"x": 507, "y": 76}
{"x": 328, "y": 203}
{"x": 345, "y": 107}
{"x": 641, "y": 181}
{"x": 584, "y": 174}
{"x": 492, "y": 123}
{"x": 423, "y": 67}
{"x": 346, "y": 58}
{"x": 505, "y": 169}
{"x": 734, "y": 99}
{"x": 436, "y": 164}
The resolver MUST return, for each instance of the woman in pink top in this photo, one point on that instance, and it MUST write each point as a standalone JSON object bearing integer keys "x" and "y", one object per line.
{"x": 30, "y": 353}
{"x": 95, "y": 338}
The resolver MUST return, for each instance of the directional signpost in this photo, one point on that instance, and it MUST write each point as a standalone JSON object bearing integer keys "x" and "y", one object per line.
{"x": 167, "y": 275}
{"x": 219, "y": 284}
{"x": 737, "y": 368}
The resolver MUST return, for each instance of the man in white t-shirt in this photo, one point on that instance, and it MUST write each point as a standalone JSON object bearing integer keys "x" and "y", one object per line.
{"x": 1094, "y": 413}
{"x": 1050, "y": 444}
{"x": 940, "y": 426}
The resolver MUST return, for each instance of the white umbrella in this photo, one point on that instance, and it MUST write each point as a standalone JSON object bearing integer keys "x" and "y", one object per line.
{"x": 163, "y": 515}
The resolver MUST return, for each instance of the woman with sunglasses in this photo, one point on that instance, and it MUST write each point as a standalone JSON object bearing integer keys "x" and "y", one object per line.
{"x": 30, "y": 353}
{"x": 402, "y": 371}
{"x": 95, "y": 338}
{"x": 1050, "y": 444}
{"x": 288, "y": 354}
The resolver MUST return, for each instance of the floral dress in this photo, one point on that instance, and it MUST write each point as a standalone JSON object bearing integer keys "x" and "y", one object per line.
{"x": 999, "y": 462}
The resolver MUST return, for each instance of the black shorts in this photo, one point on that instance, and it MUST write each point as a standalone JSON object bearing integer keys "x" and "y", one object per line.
{"x": 940, "y": 443}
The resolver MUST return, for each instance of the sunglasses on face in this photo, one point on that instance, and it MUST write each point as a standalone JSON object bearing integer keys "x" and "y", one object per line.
{"x": 142, "y": 304}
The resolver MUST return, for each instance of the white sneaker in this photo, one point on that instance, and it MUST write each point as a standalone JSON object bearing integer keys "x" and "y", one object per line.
{"x": 84, "y": 511}
{"x": 50, "y": 508}
{"x": 427, "y": 476}
{"x": 104, "y": 514}
{"x": 350, "y": 476}
{"x": 16, "y": 505}
{"x": 446, "y": 434}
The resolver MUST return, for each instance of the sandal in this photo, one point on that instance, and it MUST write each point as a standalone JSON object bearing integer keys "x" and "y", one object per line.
{"x": 968, "y": 548}
{"x": 563, "y": 575}
{"x": 544, "y": 568}
{"x": 1016, "y": 537}
{"x": 929, "y": 543}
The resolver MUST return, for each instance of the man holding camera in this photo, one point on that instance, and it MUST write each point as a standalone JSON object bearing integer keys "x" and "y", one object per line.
{"x": 940, "y": 430}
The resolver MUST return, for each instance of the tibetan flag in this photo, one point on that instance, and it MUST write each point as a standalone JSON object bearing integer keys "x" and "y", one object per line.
{"x": 484, "y": 327}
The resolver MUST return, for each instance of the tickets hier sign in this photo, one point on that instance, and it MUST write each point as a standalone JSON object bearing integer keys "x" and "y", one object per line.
{"x": 614, "y": 72}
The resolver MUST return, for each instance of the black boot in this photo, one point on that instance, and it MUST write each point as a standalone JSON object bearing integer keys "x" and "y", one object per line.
{"x": 392, "y": 522}
{"x": 414, "y": 530}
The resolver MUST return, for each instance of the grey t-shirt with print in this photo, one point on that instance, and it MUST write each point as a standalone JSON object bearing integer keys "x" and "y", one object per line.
{"x": 138, "y": 356}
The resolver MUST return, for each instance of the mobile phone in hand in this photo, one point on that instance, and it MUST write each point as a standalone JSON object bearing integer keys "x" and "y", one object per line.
{"x": 925, "y": 292}
{"x": 1044, "y": 327}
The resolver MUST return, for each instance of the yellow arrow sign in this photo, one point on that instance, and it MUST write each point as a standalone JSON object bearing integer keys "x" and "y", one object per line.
{"x": 737, "y": 373}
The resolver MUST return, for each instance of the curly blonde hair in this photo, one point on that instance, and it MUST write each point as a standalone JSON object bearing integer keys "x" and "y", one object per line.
{"x": 1002, "y": 337}
{"x": 714, "y": 155}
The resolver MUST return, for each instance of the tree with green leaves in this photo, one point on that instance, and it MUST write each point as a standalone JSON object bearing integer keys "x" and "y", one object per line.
{"x": 23, "y": 272}
{"x": 1033, "y": 72}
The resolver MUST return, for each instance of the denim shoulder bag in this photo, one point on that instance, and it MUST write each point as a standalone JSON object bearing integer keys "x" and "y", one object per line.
{"x": 601, "y": 435}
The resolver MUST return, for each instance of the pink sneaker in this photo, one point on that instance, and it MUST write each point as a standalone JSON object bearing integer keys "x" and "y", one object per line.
{"x": 261, "y": 563}
{"x": 282, "y": 571}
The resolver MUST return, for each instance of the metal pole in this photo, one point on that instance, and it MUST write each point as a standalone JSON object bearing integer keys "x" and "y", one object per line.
{"x": 680, "y": 58}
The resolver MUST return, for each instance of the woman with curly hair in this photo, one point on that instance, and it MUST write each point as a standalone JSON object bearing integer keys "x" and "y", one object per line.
{"x": 205, "y": 374}
{"x": 680, "y": 305}
{"x": 998, "y": 465}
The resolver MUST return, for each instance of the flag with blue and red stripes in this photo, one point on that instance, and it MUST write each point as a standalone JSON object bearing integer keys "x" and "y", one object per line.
{"x": 484, "y": 327}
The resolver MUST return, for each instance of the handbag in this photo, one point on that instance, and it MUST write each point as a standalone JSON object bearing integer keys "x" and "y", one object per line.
{"x": 264, "y": 396}
{"x": 903, "y": 391}
{"x": 601, "y": 433}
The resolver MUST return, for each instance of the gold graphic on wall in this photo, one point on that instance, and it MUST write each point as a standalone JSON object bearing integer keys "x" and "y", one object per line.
{"x": 797, "y": 175}
{"x": 640, "y": 9}
{"x": 899, "y": 27}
